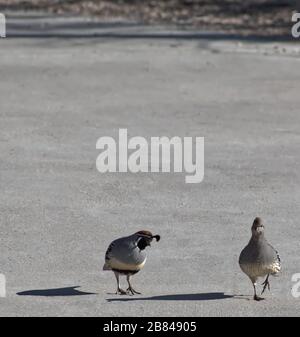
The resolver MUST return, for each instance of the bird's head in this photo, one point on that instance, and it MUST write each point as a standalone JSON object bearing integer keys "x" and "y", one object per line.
{"x": 145, "y": 238}
{"x": 257, "y": 227}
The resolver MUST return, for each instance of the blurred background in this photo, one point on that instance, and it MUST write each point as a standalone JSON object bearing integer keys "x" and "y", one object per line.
{"x": 245, "y": 17}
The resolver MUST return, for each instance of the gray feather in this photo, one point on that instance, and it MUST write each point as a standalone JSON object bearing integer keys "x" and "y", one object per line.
{"x": 126, "y": 251}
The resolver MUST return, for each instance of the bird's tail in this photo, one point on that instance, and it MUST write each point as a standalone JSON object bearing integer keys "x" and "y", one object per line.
{"x": 106, "y": 266}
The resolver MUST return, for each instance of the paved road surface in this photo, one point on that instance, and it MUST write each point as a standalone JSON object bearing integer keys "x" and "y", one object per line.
{"x": 63, "y": 85}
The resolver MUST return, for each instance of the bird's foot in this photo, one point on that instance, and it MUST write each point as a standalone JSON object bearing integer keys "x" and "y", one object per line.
{"x": 131, "y": 291}
{"x": 257, "y": 298}
{"x": 265, "y": 284}
{"x": 121, "y": 292}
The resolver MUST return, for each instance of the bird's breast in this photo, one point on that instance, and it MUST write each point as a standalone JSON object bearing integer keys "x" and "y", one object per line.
{"x": 121, "y": 265}
{"x": 256, "y": 270}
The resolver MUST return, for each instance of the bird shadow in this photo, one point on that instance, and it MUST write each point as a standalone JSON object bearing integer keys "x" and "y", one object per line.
{"x": 242, "y": 297}
{"x": 67, "y": 291}
{"x": 176, "y": 297}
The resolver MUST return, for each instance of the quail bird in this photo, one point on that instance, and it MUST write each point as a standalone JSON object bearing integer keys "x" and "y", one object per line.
{"x": 127, "y": 256}
{"x": 259, "y": 258}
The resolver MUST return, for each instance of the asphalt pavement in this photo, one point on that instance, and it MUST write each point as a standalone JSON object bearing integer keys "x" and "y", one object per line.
{"x": 65, "y": 82}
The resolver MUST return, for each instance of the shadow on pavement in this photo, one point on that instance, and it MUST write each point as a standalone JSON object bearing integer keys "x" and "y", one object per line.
{"x": 67, "y": 291}
{"x": 176, "y": 297}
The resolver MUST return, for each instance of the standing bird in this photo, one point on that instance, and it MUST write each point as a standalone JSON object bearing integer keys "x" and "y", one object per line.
{"x": 259, "y": 258}
{"x": 127, "y": 256}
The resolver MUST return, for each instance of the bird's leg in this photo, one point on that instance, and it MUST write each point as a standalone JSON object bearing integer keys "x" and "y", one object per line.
{"x": 119, "y": 290}
{"x": 266, "y": 284}
{"x": 130, "y": 290}
{"x": 256, "y": 298}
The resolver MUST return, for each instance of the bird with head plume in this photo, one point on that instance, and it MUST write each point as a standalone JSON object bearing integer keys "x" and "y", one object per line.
{"x": 127, "y": 256}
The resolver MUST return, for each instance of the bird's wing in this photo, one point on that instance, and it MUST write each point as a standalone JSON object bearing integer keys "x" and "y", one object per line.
{"x": 276, "y": 264}
{"x": 275, "y": 252}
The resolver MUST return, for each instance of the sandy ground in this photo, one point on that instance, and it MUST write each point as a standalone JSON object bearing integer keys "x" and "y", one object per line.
{"x": 58, "y": 95}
